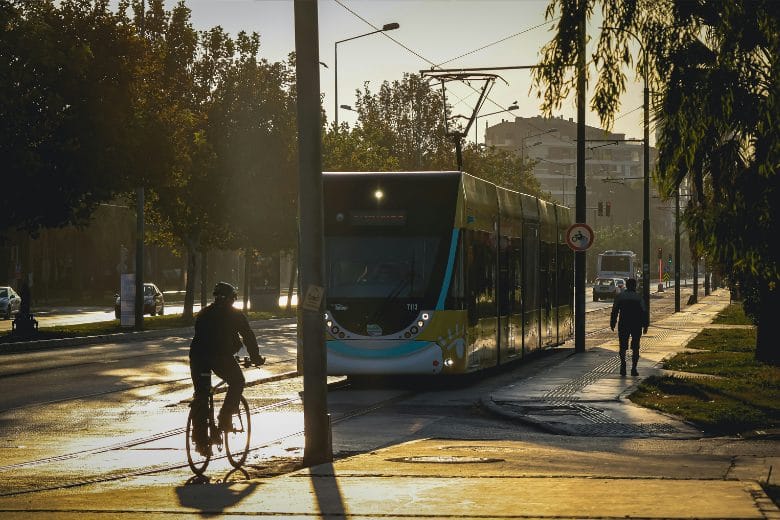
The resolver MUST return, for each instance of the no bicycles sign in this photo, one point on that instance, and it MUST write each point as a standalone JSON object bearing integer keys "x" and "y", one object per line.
{"x": 579, "y": 237}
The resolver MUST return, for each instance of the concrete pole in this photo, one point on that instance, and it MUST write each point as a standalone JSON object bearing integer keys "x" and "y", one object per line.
{"x": 317, "y": 445}
{"x": 677, "y": 250}
{"x": 579, "y": 256}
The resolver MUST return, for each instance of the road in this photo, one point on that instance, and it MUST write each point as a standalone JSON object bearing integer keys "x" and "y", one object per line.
{"x": 114, "y": 414}
{"x": 54, "y": 316}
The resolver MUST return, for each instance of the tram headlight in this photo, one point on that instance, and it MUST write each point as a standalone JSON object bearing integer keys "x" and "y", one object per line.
{"x": 420, "y": 323}
{"x": 425, "y": 316}
{"x": 414, "y": 330}
{"x": 329, "y": 323}
{"x": 335, "y": 330}
{"x": 448, "y": 362}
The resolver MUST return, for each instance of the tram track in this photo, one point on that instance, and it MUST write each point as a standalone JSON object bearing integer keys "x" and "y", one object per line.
{"x": 180, "y": 381}
{"x": 97, "y": 479}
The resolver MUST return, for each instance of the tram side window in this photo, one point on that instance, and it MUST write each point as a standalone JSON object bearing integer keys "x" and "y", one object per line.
{"x": 481, "y": 276}
{"x": 455, "y": 298}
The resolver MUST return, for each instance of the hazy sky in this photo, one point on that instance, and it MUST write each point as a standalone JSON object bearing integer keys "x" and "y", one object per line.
{"x": 438, "y": 31}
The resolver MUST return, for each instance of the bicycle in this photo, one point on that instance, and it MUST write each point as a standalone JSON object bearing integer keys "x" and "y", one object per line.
{"x": 235, "y": 441}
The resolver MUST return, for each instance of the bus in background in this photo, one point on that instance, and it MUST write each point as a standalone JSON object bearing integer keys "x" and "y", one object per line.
{"x": 617, "y": 264}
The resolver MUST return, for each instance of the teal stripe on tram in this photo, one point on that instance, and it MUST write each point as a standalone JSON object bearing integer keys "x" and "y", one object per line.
{"x": 445, "y": 286}
{"x": 396, "y": 350}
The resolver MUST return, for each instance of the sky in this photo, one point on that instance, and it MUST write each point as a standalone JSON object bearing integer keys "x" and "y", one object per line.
{"x": 449, "y": 33}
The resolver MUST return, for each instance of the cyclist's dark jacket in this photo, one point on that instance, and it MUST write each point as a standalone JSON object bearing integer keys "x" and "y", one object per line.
{"x": 631, "y": 308}
{"x": 217, "y": 328}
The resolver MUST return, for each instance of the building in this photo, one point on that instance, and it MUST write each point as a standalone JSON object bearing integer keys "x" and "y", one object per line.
{"x": 614, "y": 176}
{"x": 613, "y": 166}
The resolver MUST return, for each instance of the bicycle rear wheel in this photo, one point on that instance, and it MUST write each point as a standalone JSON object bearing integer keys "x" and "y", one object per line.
{"x": 237, "y": 440}
{"x": 198, "y": 463}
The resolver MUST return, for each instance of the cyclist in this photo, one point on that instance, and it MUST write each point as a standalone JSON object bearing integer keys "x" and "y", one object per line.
{"x": 213, "y": 349}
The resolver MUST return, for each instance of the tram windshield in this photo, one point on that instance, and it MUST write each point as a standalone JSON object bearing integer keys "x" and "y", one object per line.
{"x": 380, "y": 267}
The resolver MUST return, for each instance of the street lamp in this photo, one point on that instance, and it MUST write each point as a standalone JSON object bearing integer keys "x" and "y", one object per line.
{"x": 646, "y": 198}
{"x": 511, "y": 107}
{"x": 385, "y": 27}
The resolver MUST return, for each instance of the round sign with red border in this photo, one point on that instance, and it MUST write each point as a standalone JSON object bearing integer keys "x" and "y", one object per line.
{"x": 579, "y": 237}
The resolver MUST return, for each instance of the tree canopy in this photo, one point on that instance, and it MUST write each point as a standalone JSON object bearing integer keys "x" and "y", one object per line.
{"x": 712, "y": 67}
{"x": 400, "y": 128}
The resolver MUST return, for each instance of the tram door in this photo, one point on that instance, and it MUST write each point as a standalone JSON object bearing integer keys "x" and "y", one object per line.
{"x": 531, "y": 300}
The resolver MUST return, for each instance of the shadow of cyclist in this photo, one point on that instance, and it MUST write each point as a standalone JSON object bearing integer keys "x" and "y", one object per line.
{"x": 214, "y": 498}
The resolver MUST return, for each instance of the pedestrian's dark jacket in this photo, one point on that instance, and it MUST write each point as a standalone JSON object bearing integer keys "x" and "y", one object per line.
{"x": 217, "y": 331}
{"x": 631, "y": 308}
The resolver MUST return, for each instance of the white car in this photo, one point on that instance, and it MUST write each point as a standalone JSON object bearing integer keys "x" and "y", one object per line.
{"x": 10, "y": 302}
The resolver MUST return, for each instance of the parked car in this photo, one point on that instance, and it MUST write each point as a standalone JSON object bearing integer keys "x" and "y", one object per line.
{"x": 10, "y": 302}
{"x": 154, "y": 302}
{"x": 607, "y": 288}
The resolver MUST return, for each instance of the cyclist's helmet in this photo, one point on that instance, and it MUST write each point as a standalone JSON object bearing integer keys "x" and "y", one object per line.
{"x": 224, "y": 290}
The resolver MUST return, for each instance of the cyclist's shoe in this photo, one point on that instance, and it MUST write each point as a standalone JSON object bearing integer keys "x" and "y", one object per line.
{"x": 201, "y": 441}
{"x": 216, "y": 436}
{"x": 225, "y": 423}
{"x": 203, "y": 448}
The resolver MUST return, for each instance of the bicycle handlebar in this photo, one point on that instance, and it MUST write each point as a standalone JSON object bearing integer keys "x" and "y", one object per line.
{"x": 247, "y": 362}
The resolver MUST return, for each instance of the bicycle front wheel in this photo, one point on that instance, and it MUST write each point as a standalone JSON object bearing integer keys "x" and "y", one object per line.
{"x": 237, "y": 440}
{"x": 197, "y": 462}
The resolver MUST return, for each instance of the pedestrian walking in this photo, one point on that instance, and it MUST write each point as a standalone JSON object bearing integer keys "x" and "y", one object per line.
{"x": 630, "y": 315}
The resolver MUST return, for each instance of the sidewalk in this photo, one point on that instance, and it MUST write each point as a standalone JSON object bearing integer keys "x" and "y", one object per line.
{"x": 582, "y": 395}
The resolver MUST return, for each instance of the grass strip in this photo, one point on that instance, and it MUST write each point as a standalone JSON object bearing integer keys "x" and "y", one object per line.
{"x": 100, "y": 328}
{"x": 734, "y": 314}
{"x": 741, "y": 395}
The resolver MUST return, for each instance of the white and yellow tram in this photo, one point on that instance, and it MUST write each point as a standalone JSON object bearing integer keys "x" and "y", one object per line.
{"x": 440, "y": 273}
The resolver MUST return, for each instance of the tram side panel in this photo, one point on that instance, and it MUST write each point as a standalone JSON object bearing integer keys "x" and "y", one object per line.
{"x": 481, "y": 267}
{"x": 547, "y": 272}
{"x": 510, "y": 285}
{"x": 531, "y": 298}
{"x": 565, "y": 265}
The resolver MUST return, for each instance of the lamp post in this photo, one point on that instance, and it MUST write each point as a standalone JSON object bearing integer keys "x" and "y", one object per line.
{"x": 646, "y": 161}
{"x": 511, "y": 107}
{"x": 385, "y": 27}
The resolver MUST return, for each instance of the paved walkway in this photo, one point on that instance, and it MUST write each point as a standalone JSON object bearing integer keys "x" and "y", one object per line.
{"x": 447, "y": 478}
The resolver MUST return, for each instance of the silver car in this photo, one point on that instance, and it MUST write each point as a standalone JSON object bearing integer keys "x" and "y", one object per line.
{"x": 154, "y": 302}
{"x": 607, "y": 288}
{"x": 10, "y": 302}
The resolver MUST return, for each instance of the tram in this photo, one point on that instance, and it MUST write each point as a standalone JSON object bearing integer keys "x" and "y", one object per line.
{"x": 440, "y": 273}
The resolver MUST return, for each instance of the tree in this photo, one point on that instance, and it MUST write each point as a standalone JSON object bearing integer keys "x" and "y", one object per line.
{"x": 714, "y": 70}
{"x": 66, "y": 111}
{"x": 188, "y": 211}
{"x": 400, "y": 128}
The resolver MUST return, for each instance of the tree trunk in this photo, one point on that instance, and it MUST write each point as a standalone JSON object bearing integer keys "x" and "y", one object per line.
{"x": 695, "y": 295}
{"x": 204, "y": 281}
{"x": 293, "y": 277}
{"x": 767, "y": 350}
{"x": 189, "y": 286}
{"x": 248, "y": 255}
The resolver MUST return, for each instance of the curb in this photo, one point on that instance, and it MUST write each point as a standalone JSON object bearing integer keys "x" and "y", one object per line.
{"x": 118, "y": 337}
{"x": 498, "y": 410}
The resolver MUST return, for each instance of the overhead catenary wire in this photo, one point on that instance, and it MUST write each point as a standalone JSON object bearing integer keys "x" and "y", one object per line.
{"x": 430, "y": 62}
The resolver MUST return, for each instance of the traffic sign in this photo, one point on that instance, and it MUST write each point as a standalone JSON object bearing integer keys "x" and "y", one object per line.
{"x": 579, "y": 237}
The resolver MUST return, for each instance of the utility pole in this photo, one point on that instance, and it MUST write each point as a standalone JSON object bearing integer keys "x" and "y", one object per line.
{"x": 139, "y": 225}
{"x": 581, "y": 217}
{"x": 677, "y": 250}
{"x": 317, "y": 445}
